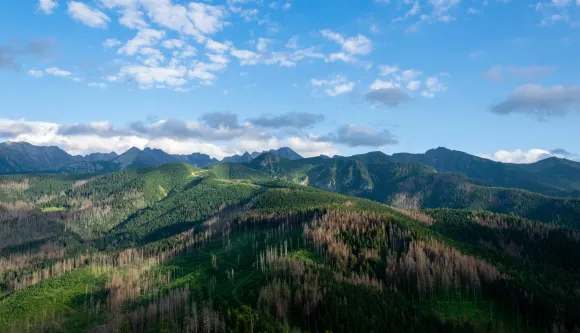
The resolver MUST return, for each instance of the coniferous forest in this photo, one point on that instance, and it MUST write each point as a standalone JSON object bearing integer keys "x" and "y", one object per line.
{"x": 243, "y": 248}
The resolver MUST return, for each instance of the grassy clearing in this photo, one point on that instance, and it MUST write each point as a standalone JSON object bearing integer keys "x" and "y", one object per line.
{"x": 63, "y": 296}
{"x": 53, "y": 209}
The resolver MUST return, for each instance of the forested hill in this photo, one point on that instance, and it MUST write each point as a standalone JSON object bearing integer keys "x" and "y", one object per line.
{"x": 416, "y": 186}
{"x": 554, "y": 177}
{"x": 230, "y": 249}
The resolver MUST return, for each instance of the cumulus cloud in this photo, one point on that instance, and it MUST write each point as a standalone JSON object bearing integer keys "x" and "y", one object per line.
{"x": 246, "y": 57}
{"x": 433, "y": 86}
{"x": 88, "y": 15}
{"x": 297, "y": 120}
{"x": 147, "y": 77}
{"x": 400, "y": 79}
{"x": 111, "y": 42}
{"x": 217, "y": 47}
{"x": 351, "y": 46}
{"x": 309, "y": 147}
{"x": 195, "y": 19}
{"x": 35, "y": 73}
{"x": 144, "y": 38}
{"x": 292, "y": 42}
{"x": 47, "y": 6}
{"x": 540, "y": 101}
{"x": 386, "y": 70}
{"x": 262, "y": 44}
{"x": 357, "y": 136}
{"x": 338, "y": 85}
{"x": 524, "y": 157}
{"x": 387, "y": 94}
{"x": 216, "y": 134}
{"x": 55, "y": 71}
{"x": 102, "y": 129}
{"x": 221, "y": 120}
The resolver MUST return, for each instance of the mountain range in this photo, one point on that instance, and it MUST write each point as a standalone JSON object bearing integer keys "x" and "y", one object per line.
{"x": 23, "y": 157}
{"x": 373, "y": 243}
{"x": 437, "y": 178}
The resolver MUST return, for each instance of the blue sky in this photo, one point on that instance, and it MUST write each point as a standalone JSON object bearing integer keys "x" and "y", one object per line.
{"x": 497, "y": 78}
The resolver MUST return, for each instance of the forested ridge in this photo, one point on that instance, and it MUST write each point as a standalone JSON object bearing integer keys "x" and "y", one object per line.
{"x": 231, "y": 249}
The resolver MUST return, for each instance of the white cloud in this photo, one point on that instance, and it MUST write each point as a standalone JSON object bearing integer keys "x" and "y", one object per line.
{"x": 414, "y": 85}
{"x": 146, "y": 76}
{"x": 88, "y": 15}
{"x": 342, "y": 57}
{"x": 133, "y": 19}
{"x": 386, "y": 70}
{"x": 98, "y": 85}
{"x": 102, "y": 136}
{"x": 409, "y": 75}
{"x": 336, "y": 86}
{"x": 217, "y": 47}
{"x": 520, "y": 156}
{"x": 173, "y": 44}
{"x": 262, "y": 45}
{"x": 246, "y": 57}
{"x": 144, "y": 38}
{"x": 151, "y": 57}
{"x": 218, "y": 58}
{"x": 35, "y": 73}
{"x": 293, "y": 42}
{"x": 380, "y": 84}
{"x": 410, "y": 79}
{"x": 307, "y": 147}
{"x": 111, "y": 42}
{"x": 434, "y": 86}
{"x": 47, "y": 6}
{"x": 358, "y": 45}
{"x": 206, "y": 18}
{"x": 205, "y": 71}
{"x": 195, "y": 19}
{"x": 57, "y": 72}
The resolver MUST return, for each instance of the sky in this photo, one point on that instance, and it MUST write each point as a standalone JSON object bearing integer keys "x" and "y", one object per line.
{"x": 494, "y": 78}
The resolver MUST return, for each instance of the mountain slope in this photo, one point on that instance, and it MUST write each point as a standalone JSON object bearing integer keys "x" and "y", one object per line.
{"x": 244, "y": 158}
{"x": 491, "y": 172}
{"x": 188, "y": 249}
{"x": 286, "y": 153}
{"x": 18, "y": 157}
{"x": 88, "y": 167}
{"x": 94, "y": 157}
{"x": 417, "y": 186}
{"x": 560, "y": 172}
{"x": 232, "y": 171}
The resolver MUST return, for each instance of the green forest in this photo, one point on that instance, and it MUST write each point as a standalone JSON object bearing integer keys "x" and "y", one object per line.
{"x": 232, "y": 248}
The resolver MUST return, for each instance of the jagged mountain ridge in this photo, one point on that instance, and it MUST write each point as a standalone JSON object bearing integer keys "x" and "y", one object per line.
{"x": 553, "y": 176}
{"x": 22, "y": 157}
